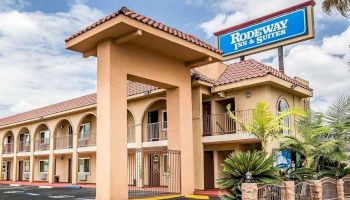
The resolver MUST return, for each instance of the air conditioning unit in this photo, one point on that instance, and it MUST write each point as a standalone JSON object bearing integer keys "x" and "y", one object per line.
{"x": 26, "y": 176}
{"x": 82, "y": 177}
{"x": 43, "y": 176}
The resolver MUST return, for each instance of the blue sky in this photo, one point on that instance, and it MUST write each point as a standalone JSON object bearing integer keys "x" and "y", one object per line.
{"x": 39, "y": 71}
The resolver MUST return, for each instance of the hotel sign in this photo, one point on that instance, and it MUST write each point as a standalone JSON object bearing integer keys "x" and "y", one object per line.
{"x": 285, "y": 28}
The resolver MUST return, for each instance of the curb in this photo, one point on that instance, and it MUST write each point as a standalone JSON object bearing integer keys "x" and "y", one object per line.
{"x": 177, "y": 197}
{"x": 45, "y": 187}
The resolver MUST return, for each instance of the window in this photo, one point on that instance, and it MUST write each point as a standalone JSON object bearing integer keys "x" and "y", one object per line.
{"x": 283, "y": 106}
{"x": 44, "y": 166}
{"x": 85, "y": 130}
{"x": 164, "y": 120}
{"x": 84, "y": 165}
{"x": 44, "y": 137}
{"x": 26, "y": 166}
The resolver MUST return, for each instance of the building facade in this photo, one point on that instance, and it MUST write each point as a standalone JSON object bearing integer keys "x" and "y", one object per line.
{"x": 57, "y": 144}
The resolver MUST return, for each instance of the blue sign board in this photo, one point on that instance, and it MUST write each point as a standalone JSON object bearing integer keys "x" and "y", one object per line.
{"x": 283, "y": 159}
{"x": 283, "y": 27}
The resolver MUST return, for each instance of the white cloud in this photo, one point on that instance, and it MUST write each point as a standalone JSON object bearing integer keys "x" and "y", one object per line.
{"x": 35, "y": 68}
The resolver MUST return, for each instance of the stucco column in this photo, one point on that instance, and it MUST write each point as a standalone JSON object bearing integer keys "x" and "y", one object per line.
{"x": 75, "y": 157}
{"x": 197, "y": 136}
{"x": 340, "y": 189}
{"x": 14, "y": 164}
{"x": 318, "y": 189}
{"x": 32, "y": 159}
{"x": 290, "y": 190}
{"x": 138, "y": 135}
{"x": 139, "y": 168}
{"x": 249, "y": 191}
{"x": 111, "y": 172}
{"x": 216, "y": 167}
{"x": 180, "y": 135}
{"x": 51, "y": 160}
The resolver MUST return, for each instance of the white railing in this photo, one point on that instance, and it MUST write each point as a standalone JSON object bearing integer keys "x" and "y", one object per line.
{"x": 155, "y": 131}
{"x": 7, "y": 148}
{"x": 87, "y": 140}
{"x": 218, "y": 124}
{"x": 23, "y": 146}
{"x": 64, "y": 142}
{"x": 42, "y": 144}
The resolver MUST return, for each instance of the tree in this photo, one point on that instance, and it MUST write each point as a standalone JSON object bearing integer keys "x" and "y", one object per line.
{"x": 312, "y": 142}
{"x": 342, "y": 6}
{"x": 236, "y": 166}
{"x": 264, "y": 124}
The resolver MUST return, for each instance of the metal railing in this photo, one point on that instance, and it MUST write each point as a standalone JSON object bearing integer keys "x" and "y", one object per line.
{"x": 346, "y": 186}
{"x": 131, "y": 134}
{"x": 219, "y": 124}
{"x": 42, "y": 144}
{"x": 23, "y": 146}
{"x": 155, "y": 132}
{"x": 7, "y": 148}
{"x": 153, "y": 172}
{"x": 87, "y": 140}
{"x": 329, "y": 189}
{"x": 272, "y": 192}
{"x": 305, "y": 191}
{"x": 64, "y": 142}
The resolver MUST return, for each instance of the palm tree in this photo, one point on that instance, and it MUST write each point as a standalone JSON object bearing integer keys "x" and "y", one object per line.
{"x": 342, "y": 6}
{"x": 237, "y": 165}
{"x": 313, "y": 142}
{"x": 264, "y": 124}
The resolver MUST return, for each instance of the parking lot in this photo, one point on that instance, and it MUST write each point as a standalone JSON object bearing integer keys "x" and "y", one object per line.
{"x": 35, "y": 193}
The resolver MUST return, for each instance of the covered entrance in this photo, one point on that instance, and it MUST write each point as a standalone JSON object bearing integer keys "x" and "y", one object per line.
{"x": 128, "y": 49}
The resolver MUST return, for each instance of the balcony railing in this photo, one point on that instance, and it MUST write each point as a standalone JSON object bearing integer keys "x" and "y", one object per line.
{"x": 219, "y": 124}
{"x": 23, "y": 146}
{"x": 155, "y": 131}
{"x": 42, "y": 144}
{"x": 7, "y": 148}
{"x": 131, "y": 134}
{"x": 87, "y": 140}
{"x": 64, "y": 142}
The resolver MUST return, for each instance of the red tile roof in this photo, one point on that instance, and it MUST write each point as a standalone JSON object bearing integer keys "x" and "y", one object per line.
{"x": 80, "y": 102}
{"x": 234, "y": 73}
{"x": 252, "y": 69}
{"x": 150, "y": 22}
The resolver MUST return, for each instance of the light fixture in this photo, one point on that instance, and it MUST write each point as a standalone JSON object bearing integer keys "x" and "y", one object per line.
{"x": 293, "y": 86}
{"x": 248, "y": 94}
{"x": 147, "y": 92}
{"x": 248, "y": 176}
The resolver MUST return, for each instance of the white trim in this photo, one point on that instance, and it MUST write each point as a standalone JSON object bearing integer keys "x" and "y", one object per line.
{"x": 227, "y": 138}
{"x": 161, "y": 143}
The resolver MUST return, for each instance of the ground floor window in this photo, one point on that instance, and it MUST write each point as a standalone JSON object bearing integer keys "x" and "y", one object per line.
{"x": 84, "y": 165}
{"x": 44, "y": 166}
{"x": 26, "y": 166}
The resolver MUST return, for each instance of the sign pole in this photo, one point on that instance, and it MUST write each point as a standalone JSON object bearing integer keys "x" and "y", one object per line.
{"x": 242, "y": 58}
{"x": 280, "y": 59}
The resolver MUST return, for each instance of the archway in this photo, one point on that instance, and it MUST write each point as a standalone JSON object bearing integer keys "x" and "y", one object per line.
{"x": 87, "y": 130}
{"x": 155, "y": 121}
{"x": 63, "y": 135}
{"x": 8, "y": 143}
{"x": 131, "y": 127}
{"x": 42, "y": 138}
{"x": 24, "y": 140}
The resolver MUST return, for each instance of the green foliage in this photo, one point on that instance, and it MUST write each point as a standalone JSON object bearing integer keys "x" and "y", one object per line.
{"x": 264, "y": 124}
{"x": 235, "y": 167}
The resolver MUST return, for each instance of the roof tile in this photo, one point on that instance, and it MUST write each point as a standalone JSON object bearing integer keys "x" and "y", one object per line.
{"x": 148, "y": 21}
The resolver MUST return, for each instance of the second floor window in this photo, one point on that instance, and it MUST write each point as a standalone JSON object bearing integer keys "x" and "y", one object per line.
{"x": 164, "y": 120}
{"x": 44, "y": 137}
{"x": 283, "y": 106}
{"x": 85, "y": 130}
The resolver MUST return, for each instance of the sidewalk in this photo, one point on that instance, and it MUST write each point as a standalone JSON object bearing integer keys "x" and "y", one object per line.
{"x": 55, "y": 185}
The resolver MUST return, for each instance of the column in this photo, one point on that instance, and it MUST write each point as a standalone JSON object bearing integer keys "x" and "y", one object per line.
{"x": 340, "y": 189}
{"x": 216, "y": 167}
{"x": 14, "y": 164}
{"x": 318, "y": 189}
{"x": 290, "y": 190}
{"x": 249, "y": 191}
{"x": 139, "y": 168}
{"x": 111, "y": 175}
{"x": 180, "y": 136}
{"x": 75, "y": 158}
{"x": 51, "y": 160}
{"x": 32, "y": 159}
{"x": 197, "y": 138}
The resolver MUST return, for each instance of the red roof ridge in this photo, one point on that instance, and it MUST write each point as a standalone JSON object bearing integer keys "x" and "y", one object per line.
{"x": 150, "y": 22}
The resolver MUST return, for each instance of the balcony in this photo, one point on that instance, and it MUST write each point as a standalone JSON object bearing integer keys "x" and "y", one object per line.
{"x": 64, "y": 142}
{"x": 42, "y": 144}
{"x": 131, "y": 134}
{"x": 155, "y": 132}
{"x": 23, "y": 146}
{"x": 221, "y": 124}
{"x": 7, "y": 148}
{"x": 87, "y": 140}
